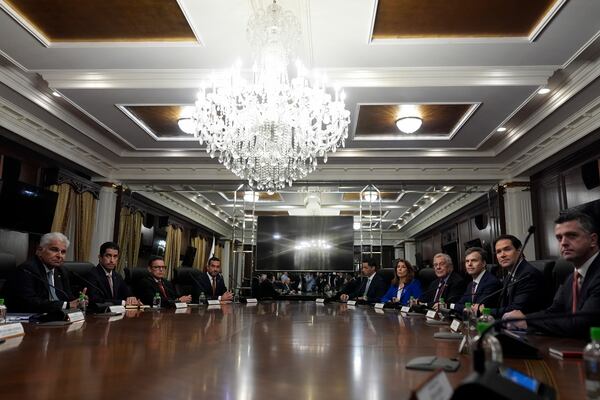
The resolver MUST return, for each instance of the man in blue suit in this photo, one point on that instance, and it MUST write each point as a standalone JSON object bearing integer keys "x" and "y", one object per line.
{"x": 483, "y": 283}
{"x": 372, "y": 287}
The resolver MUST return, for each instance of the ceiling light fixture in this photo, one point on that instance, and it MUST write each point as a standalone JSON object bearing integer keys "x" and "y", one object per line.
{"x": 356, "y": 226}
{"x": 409, "y": 124}
{"x": 56, "y": 94}
{"x": 370, "y": 196}
{"x": 271, "y": 129}
{"x": 251, "y": 197}
{"x": 501, "y": 129}
{"x": 544, "y": 90}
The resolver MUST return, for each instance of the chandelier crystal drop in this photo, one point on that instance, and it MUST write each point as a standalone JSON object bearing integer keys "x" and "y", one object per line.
{"x": 270, "y": 129}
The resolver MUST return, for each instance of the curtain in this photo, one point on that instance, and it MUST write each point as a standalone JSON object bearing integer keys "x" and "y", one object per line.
{"x": 63, "y": 205}
{"x": 172, "y": 249}
{"x": 85, "y": 208}
{"x": 130, "y": 232}
{"x": 199, "y": 259}
{"x": 219, "y": 251}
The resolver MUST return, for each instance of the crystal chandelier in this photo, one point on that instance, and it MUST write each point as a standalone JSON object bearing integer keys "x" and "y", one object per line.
{"x": 270, "y": 129}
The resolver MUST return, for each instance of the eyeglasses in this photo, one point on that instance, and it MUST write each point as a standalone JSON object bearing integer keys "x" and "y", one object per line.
{"x": 158, "y": 267}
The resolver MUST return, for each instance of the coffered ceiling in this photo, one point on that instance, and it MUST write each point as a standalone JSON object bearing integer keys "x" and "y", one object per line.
{"x": 123, "y": 70}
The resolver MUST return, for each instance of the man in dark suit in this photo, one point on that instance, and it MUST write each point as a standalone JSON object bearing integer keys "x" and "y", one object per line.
{"x": 40, "y": 284}
{"x": 372, "y": 286}
{"x": 266, "y": 288}
{"x": 448, "y": 284}
{"x": 577, "y": 237}
{"x": 212, "y": 283}
{"x": 109, "y": 288}
{"x": 523, "y": 284}
{"x": 148, "y": 286}
{"x": 483, "y": 283}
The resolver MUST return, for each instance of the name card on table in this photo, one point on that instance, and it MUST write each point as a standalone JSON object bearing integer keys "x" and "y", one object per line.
{"x": 251, "y": 300}
{"x": 322, "y": 301}
{"x": 117, "y": 309}
{"x": 75, "y": 316}
{"x": 180, "y": 305}
{"x": 76, "y": 326}
{"x": 351, "y": 302}
{"x": 405, "y": 309}
{"x": 435, "y": 387}
{"x": 11, "y": 330}
{"x": 455, "y": 325}
{"x": 214, "y": 302}
{"x": 379, "y": 306}
{"x": 431, "y": 314}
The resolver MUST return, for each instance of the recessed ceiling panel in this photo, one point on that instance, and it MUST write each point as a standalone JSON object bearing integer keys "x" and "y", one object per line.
{"x": 438, "y": 119}
{"x": 160, "y": 120}
{"x": 417, "y": 19}
{"x": 106, "y": 20}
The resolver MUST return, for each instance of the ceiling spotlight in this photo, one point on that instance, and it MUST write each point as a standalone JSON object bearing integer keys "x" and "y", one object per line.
{"x": 501, "y": 129}
{"x": 356, "y": 226}
{"x": 186, "y": 122}
{"x": 370, "y": 196}
{"x": 56, "y": 94}
{"x": 544, "y": 90}
{"x": 426, "y": 196}
{"x": 409, "y": 124}
{"x": 251, "y": 197}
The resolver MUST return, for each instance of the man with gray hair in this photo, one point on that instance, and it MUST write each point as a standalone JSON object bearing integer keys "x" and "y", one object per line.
{"x": 40, "y": 284}
{"x": 449, "y": 285}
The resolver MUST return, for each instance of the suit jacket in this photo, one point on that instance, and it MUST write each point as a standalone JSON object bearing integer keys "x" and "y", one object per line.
{"x": 32, "y": 295}
{"x": 206, "y": 287}
{"x": 525, "y": 295}
{"x": 413, "y": 289}
{"x": 488, "y": 284}
{"x": 588, "y": 301}
{"x": 452, "y": 291}
{"x": 101, "y": 293}
{"x": 377, "y": 289}
{"x": 147, "y": 287}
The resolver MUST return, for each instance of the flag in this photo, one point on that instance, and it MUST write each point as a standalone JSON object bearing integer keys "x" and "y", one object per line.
{"x": 212, "y": 249}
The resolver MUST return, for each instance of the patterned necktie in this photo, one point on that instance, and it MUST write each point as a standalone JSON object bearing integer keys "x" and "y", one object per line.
{"x": 439, "y": 291}
{"x": 53, "y": 295}
{"x": 576, "y": 288}
{"x": 110, "y": 283}
{"x": 214, "y": 286}
{"x": 473, "y": 290}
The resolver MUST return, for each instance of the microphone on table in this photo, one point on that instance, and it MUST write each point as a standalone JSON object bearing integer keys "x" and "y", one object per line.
{"x": 57, "y": 315}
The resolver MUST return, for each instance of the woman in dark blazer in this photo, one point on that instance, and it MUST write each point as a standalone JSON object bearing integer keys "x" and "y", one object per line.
{"x": 404, "y": 286}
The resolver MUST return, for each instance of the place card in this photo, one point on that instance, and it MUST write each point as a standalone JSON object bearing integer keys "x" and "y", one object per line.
{"x": 405, "y": 309}
{"x": 431, "y": 314}
{"x": 11, "y": 330}
{"x": 181, "y": 310}
{"x": 117, "y": 309}
{"x": 435, "y": 387}
{"x": 75, "y": 316}
{"x": 455, "y": 325}
{"x": 180, "y": 305}
{"x": 76, "y": 326}
{"x": 351, "y": 302}
{"x": 379, "y": 306}
{"x": 214, "y": 302}
{"x": 322, "y": 301}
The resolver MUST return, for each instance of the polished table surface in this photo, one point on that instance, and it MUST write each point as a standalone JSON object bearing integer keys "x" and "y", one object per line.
{"x": 272, "y": 350}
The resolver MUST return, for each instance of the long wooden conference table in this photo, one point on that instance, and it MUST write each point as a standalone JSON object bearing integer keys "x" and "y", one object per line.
{"x": 271, "y": 350}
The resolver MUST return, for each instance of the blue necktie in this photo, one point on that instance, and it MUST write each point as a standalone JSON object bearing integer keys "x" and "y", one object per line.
{"x": 53, "y": 295}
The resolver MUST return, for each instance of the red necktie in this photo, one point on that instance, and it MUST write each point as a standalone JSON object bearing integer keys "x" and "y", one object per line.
{"x": 162, "y": 289}
{"x": 576, "y": 276}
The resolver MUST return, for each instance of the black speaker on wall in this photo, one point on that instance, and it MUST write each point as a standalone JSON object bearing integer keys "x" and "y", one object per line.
{"x": 481, "y": 221}
{"x": 11, "y": 169}
{"x": 590, "y": 173}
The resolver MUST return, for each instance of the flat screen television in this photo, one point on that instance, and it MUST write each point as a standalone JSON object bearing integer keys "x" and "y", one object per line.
{"x": 26, "y": 208}
{"x": 305, "y": 244}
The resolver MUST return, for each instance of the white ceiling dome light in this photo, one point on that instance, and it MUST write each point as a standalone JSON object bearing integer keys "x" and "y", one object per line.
{"x": 409, "y": 124}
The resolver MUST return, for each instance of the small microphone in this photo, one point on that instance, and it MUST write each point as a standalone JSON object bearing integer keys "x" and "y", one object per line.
{"x": 44, "y": 281}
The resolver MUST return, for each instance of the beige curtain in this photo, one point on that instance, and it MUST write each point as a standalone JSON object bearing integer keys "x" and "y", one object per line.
{"x": 219, "y": 251}
{"x": 200, "y": 244}
{"x": 172, "y": 249}
{"x": 130, "y": 232}
{"x": 63, "y": 205}
{"x": 85, "y": 208}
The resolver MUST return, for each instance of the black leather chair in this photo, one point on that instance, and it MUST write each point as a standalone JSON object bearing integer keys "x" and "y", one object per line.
{"x": 77, "y": 272}
{"x": 426, "y": 276}
{"x": 8, "y": 266}
{"x": 546, "y": 267}
{"x": 183, "y": 279}
{"x": 561, "y": 271}
{"x": 387, "y": 274}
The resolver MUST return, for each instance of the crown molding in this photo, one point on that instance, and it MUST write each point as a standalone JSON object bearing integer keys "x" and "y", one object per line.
{"x": 351, "y": 77}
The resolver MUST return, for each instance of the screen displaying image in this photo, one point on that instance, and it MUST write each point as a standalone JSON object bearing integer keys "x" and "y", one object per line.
{"x": 305, "y": 243}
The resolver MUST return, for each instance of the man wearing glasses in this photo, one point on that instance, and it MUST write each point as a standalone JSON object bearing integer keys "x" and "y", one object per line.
{"x": 107, "y": 287}
{"x": 155, "y": 283}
